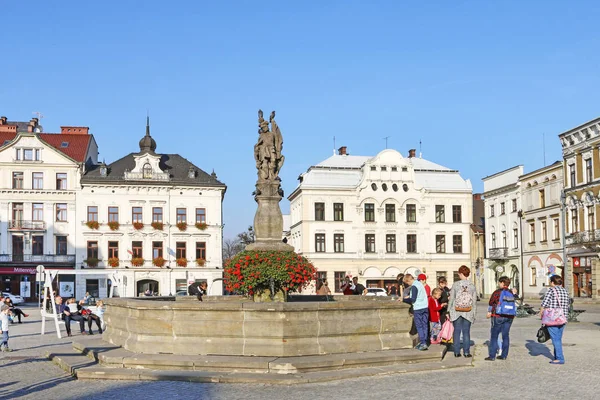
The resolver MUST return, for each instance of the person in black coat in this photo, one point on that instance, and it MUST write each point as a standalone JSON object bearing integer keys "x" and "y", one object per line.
{"x": 443, "y": 285}
{"x": 197, "y": 289}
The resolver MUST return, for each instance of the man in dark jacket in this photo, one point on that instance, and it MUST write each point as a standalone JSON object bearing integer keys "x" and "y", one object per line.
{"x": 197, "y": 289}
{"x": 443, "y": 284}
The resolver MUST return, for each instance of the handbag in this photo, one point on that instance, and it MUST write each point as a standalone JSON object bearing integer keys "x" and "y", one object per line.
{"x": 447, "y": 331}
{"x": 542, "y": 334}
{"x": 554, "y": 316}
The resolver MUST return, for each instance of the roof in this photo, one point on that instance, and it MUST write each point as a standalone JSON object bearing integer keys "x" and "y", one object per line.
{"x": 176, "y": 166}
{"x": 435, "y": 181}
{"x": 501, "y": 172}
{"x": 21, "y": 126}
{"x": 345, "y": 161}
{"x": 76, "y": 148}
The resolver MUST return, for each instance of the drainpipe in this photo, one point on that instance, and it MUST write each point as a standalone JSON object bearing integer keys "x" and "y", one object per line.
{"x": 520, "y": 215}
{"x": 563, "y": 208}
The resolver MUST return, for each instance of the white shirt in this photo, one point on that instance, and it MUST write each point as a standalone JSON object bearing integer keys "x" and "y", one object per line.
{"x": 4, "y": 320}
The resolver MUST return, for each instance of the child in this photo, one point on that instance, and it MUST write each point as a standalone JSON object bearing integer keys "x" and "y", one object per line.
{"x": 418, "y": 298}
{"x": 4, "y": 310}
{"x": 434, "y": 314}
{"x": 423, "y": 279}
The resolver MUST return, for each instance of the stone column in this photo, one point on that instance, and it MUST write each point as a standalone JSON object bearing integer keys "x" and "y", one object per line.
{"x": 595, "y": 276}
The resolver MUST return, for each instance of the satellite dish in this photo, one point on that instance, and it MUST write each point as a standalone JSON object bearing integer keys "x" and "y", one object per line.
{"x": 39, "y": 129}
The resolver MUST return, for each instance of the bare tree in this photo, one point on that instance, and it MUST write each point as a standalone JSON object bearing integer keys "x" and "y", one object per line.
{"x": 246, "y": 237}
{"x": 231, "y": 247}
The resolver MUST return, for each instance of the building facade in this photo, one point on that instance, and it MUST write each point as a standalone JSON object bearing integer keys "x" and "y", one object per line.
{"x": 542, "y": 227}
{"x": 581, "y": 158}
{"x": 502, "y": 201}
{"x": 376, "y": 217}
{"x": 39, "y": 178}
{"x": 156, "y": 217}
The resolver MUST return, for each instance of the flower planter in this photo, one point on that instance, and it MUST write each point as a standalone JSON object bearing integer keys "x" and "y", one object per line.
{"x": 137, "y": 261}
{"x": 182, "y": 226}
{"x": 138, "y": 225}
{"x": 113, "y": 262}
{"x": 182, "y": 262}
{"x": 200, "y": 262}
{"x": 113, "y": 225}
{"x": 93, "y": 224}
{"x": 158, "y": 262}
{"x": 91, "y": 262}
{"x": 201, "y": 226}
{"x": 158, "y": 226}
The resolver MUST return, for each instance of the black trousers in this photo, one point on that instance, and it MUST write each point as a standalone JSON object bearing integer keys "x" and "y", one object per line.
{"x": 90, "y": 319}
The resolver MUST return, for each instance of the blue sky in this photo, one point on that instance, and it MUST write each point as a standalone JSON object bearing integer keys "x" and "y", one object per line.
{"x": 477, "y": 82}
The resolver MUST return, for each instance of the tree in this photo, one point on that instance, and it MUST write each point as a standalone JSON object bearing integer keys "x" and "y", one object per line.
{"x": 231, "y": 247}
{"x": 246, "y": 237}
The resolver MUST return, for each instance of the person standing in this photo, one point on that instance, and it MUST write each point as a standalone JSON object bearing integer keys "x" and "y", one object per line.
{"x": 322, "y": 288}
{"x": 417, "y": 297}
{"x": 347, "y": 288}
{"x": 444, "y": 298}
{"x": 556, "y": 297}
{"x": 359, "y": 288}
{"x": 502, "y": 310}
{"x": 4, "y": 310}
{"x": 423, "y": 279}
{"x": 462, "y": 306}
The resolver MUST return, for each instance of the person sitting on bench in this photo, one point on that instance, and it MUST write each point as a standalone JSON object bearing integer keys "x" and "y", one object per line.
{"x": 71, "y": 313}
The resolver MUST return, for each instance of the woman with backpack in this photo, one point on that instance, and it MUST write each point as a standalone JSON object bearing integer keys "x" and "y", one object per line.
{"x": 502, "y": 310}
{"x": 554, "y": 311}
{"x": 462, "y": 308}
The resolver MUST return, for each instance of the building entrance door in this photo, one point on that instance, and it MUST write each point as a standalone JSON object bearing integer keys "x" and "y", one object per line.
{"x": 147, "y": 285}
{"x": 17, "y": 248}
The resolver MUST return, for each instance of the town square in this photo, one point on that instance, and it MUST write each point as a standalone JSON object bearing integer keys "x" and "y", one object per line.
{"x": 340, "y": 199}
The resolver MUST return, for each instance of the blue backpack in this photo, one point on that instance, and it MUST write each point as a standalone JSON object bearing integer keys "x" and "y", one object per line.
{"x": 506, "y": 305}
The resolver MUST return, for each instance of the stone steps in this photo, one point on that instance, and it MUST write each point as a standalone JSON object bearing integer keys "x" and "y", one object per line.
{"x": 92, "y": 358}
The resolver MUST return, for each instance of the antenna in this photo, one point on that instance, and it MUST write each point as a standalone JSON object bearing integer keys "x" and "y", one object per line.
{"x": 420, "y": 149}
{"x": 544, "y": 146}
{"x": 39, "y": 114}
{"x": 386, "y": 141}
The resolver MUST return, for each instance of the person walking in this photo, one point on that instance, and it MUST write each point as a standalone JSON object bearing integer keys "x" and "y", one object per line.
{"x": 557, "y": 298}
{"x": 463, "y": 307}
{"x": 502, "y": 310}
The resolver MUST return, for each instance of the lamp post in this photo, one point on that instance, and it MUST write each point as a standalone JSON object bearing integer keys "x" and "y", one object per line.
{"x": 520, "y": 215}
{"x": 563, "y": 206}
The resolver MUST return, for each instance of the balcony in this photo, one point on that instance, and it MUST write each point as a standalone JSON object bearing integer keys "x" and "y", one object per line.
{"x": 583, "y": 237}
{"x": 145, "y": 176}
{"x": 498, "y": 253}
{"x": 46, "y": 259}
{"x": 21, "y": 225}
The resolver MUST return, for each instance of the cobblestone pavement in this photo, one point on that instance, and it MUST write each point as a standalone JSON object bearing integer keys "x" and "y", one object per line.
{"x": 26, "y": 374}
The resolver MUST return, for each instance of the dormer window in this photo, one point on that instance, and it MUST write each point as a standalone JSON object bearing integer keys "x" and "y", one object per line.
{"x": 191, "y": 173}
{"x": 147, "y": 171}
{"x": 394, "y": 169}
{"x": 404, "y": 169}
{"x": 103, "y": 170}
{"x": 373, "y": 168}
{"x": 64, "y": 145}
{"x": 384, "y": 168}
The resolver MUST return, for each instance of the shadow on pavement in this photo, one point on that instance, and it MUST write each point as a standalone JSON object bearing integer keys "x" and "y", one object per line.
{"x": 538, "y": 349}
{"x": 36, "y": 387}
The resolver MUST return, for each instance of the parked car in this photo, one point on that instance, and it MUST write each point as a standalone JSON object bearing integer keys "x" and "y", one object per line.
{"x": 14, "y": 298}
{"x": 376, "y": 292}
{"x": 181, "y": 293}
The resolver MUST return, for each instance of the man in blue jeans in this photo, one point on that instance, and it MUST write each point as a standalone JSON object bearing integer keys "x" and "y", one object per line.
{"x": 502, "y": 318}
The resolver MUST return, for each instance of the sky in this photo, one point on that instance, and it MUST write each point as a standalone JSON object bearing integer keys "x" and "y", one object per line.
{"x": 481, "y": 85}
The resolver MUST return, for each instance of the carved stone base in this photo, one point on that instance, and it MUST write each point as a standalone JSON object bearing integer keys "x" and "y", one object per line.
{"x": 268, "y": 221}
{"x": 269, "y": 245}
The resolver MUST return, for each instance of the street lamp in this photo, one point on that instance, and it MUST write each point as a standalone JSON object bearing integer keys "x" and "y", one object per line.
{"x": 520, "y": 215}
{"x": 563, "y": 206}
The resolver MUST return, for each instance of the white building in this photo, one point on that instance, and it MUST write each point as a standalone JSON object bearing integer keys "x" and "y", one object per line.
{"x": 502, "y": 199}
{"x": 542, "y": 226}
{"x": 39, "y": 179}
{"x": 375, "y": 217}
{"x": 157, "y": 217}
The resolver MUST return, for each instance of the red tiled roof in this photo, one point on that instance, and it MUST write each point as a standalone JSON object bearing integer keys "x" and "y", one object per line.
{"x": 77, "y": 144}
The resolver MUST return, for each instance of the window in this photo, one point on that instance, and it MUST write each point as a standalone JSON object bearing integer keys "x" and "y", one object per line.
{"x": 113, "y": 214}
{"x": 38, "y": 212}
{"x": 411, "y": 213}
{"x": 390, "y": 213}
{"x": 319, "y": 211}
{"x": 157, "y": 214}
{"x": 572, "y": 175}
{"x": 544, "y": 231}
{"x": 136, "y": 215}
{"x": 390, "y": 243}
{"x": 320, "y": 242}
{"x": 502, "y": 208}
{"x": 28, "y": 154}
{"x": 440, "y": 243}
{"x": 491, "y": 210}
{"x": 588, "y": 170}
{"x": 338, "y": 211}
{"x": 457, "y": 243}
{"x": 338, "y": 280}
{"x": 322, "y": 275}
{"x": 61, "y": 181}
{"x": 147, "y": 171}
{"x": 17, "y": 180}
{"x": 17, "y": 212}
{"x": 92, "y": 250}
{"x": 514, "y": 205}
{"x": 37, "y": 245}
{"x": 37, "y": 180}
{"x": 574, "y": 221}
{"x": 181, "y": 216}
{"x": 369, "y": 212}
{"x": 556, "y": 230}
{"x": 411, "y": 243}
{"x": 92, "y": 213}
{"x": 440, "y": 213}
{"x": 370, "y": 243}
{"x": 61, "y": 245}
{"x": 542, "y": 198}
{"x": 591, "y": 218}
{"x": 137, "y": 249}
{"x": 18, "y": 154}
{"x": 37, "y": 155}
{"x": 515, "y": 238}
{"x": 493, "y": 240}
{"x": 113, "y": 249}
{"x": 157, "y": 249}
{"x": 92, "y": 287}
{"x": 200, "y": 215}
{"x": 457, "y": 213}
{"x": 61, "y": 212}
{"x": 201, "y": 250}
{"x": 180, "y": 250}
{"x": 338, "y": 242}
{"x": 504, "y": 239}
{"x": 532, "y": 232}
{"x": 533, "y": 276}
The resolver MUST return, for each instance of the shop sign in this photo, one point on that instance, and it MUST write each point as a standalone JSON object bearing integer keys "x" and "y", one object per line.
{"x": 18, "y": 270}
{"x": 576, "y": 261}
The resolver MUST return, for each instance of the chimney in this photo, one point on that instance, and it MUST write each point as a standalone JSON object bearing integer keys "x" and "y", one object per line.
{"x": 411, "y": 153}
{"x": 2, "y": 120}
{"x": 74, "y": 130}
{"x": 32, "y": 124}
{"x": 476, "y": 196}
{"x": 342, "y": 151}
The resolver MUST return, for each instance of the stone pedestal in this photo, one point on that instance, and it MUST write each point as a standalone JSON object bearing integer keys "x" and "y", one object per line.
{"x": 268, "y": 221}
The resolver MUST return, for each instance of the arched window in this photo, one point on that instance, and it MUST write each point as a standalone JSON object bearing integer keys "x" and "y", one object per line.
{"x": 147, "y": 171}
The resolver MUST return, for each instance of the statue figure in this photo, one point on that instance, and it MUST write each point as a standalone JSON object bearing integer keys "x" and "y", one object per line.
{"x": 267, "y": 150}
